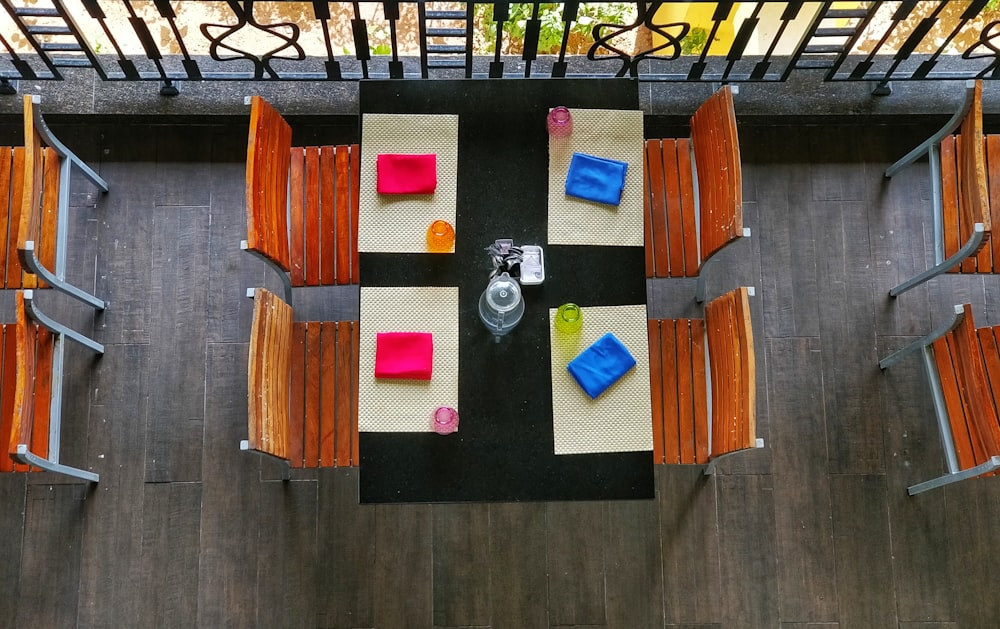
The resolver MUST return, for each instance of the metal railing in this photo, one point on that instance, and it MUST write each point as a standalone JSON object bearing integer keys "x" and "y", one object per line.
{"x": 187, "y": 40}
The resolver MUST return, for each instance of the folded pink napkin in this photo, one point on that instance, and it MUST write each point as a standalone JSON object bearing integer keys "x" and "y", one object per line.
{"x": 406, "y": 174}
{"x": 404, "y": 355}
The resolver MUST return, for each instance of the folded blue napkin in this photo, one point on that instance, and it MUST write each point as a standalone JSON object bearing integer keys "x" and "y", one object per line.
{"x": 596, "y": 179}
{"x": 601, "y": 365}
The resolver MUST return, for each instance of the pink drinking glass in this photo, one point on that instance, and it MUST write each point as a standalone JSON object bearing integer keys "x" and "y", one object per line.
{"x": 445, "y": 420}
{"x": 559, "y": 122}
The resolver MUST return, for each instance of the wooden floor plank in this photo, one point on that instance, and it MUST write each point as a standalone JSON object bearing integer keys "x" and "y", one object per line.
{"x": 854, "y": 439}
{"x": 461, "y": 565}
{"x": 112, "y": 538}
{"x": 345, "y": 551}
{"x": 806, "y": 566}
{"x": 171, "y": 520}
{"x": 518, "y": 595}
{"x": 914, "y": 454}
{"x": 788, "y": 256}
{"x": 403, "y": 566}
{"x": 230, "y": 522}
{"x": 747, "y": 551}
{"x": 12, "y": 522}
{"x": 286, "y": 554}
{"x": 575, "y": 551}
{"x": 967, "y": 541}
{"x": 863, "y": 551}
{"x": 632, "y": 568}
{"x": 689, "y": 538}
{"x": 54, "y": 526}
{"x": 181, "y": 241}
{"x": 747, "y": 548}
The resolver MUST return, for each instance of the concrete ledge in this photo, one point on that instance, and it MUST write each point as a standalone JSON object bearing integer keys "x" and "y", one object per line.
{"x": 804, "y": 96}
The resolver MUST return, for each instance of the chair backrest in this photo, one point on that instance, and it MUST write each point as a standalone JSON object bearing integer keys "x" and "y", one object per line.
{"x": 40, "y": 196}
{"x": 32, "y": 384}
{"x": 733, "y": 372}
{"x": 720, "y": 182}
{"x": 269, "y": 373}
{"x": 968, "y": 396}
{"x": 972, "y": 188}
{"x": 268, "y": 158}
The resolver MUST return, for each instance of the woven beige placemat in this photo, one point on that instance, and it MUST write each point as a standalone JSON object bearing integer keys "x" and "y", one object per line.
{"x": 619, "y": 420}
{"x": 398, "y": 222}
{"x": 387, "y": 405}
{"x": 613, "y": 134}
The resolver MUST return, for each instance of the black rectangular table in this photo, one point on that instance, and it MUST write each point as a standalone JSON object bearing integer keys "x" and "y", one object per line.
{"x": 504, "y": 448}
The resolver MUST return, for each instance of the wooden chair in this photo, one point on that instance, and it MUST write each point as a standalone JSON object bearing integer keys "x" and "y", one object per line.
{"x": 302, "y": 386}
{"x": 960, "y": 198}
{"x": 31, "y": 388}
{"x": 703, "y": 383}
{"x": 694, "y": 193}
{"x": 302, "y": 204}
{"x": 34, "y": 208}
{"x": 962, "y": 364}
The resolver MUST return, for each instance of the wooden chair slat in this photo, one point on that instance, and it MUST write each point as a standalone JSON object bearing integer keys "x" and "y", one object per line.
{"x": 734, "y": 166}
{"x": 355, "y": 180}
{"x": 972, "y": 165}
{"x": 968, "y": 265}
{"x": 685, "y": 398}
{"x": 705, "y": 146}
{"x": 647, "y": 219}
{"x": 749, "y": 368}
{"x": 312, "y": 213}
{"x": 953, "y": 403}
{"x": 39, "y": 442}
{"x": 990, "y": 352}
{"x": 993, "y": 181}
{"x": 8, "y": 382}
{"x": 312, "y": 397}
{"x": 49, "y": 215}
{"x": 328, "y": 216}
{"x": 949, "y": 197}
{"x": 342, "y": 410}
{"x": 355, "y": 383}
{"x": 343, "y": 213}
{"x": 983, "y": 262}
{"x": 269, "y": 374}
{"x": 671, "y": 442}
{"x": 24, "y": 388}
{"x": 297, "y": 211}
{"x": 676, "y": 232}
{"x": 991, "y": 359}
{"x": 8, "y": 220}
{"x": 267, "y": 178}
{"x": 699, "y": 391}
{"x": 656, "y": 387}
{"x": 985, "y": 428}
{"x": 658, "y": 205}
{"x": 688, "y": 209}
{"x": 719, "y": 349}
{"x": 14, "y": 278}
{"x": 327, "y": 396}
{"x": 297, "y": 396}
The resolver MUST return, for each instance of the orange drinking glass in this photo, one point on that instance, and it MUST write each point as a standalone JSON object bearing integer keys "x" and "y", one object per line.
{"x": 440, "y": 237}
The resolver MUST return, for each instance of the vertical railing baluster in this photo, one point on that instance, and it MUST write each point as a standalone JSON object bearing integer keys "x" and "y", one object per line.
{"x": 361, "y": 49}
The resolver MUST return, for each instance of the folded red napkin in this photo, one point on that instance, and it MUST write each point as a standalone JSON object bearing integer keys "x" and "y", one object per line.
{"x": 406, "y": 174}
{"x": 404, "y": 355}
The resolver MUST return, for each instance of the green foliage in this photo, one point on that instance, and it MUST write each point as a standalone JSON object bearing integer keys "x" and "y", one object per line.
{"x": 550, "y": 14}
{"x": 695, "y": 41}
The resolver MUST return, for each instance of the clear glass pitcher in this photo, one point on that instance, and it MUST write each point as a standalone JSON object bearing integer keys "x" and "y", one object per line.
{"x": 501, "y": 305}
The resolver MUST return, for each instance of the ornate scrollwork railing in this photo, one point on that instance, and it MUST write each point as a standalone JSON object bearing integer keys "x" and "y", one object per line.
{"x": 189, "y": 40}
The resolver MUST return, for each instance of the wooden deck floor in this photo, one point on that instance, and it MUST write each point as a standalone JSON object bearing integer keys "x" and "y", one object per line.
{"x": 815, "y": 530}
